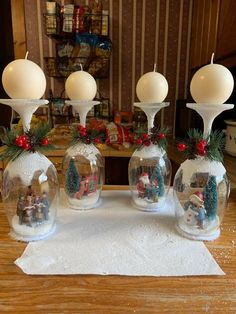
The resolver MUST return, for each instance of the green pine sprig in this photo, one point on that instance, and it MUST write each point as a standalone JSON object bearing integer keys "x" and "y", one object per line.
{"x": 87, "y": 136}
{"x": 17, "y": 142}
{"x": 157, "y": 136}
{"x": 196, "y": 144}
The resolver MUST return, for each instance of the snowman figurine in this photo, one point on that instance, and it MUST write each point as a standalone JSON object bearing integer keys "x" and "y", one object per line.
{"x": 195, "y": 213}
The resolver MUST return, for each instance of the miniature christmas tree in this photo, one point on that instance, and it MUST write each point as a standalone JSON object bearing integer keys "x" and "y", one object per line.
{"x": 72, "y": 179}
{"x": 158, "y": 177}
{"x": 210, "y": 197}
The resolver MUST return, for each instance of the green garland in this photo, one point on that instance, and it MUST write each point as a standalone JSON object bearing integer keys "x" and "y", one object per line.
{"x": 210, "y": 147}
{"x": 157, "y": 136}
{"x": 88, "y": 136}
{"x": 17, "y": 142}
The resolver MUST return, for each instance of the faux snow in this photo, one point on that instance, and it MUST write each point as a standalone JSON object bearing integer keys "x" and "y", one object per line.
{"x": 35, "y": 232}
{"x": 150, "y": 152}
{"x": 26, "y": 165}
{"x": 86, "y": 202}
{"x": 191, "y": 166}
{"x": 89, "y": 151}
{"x": 147, "y": 205}
{"x": 209, "y": 232}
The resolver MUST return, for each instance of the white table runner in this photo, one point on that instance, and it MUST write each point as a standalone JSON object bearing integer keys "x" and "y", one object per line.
{"x": 117, "y": 239}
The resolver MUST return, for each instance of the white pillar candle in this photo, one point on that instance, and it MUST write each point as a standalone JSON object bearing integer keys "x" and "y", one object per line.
{"x": 80, "y": 85}
{"x": 23, "y": 79}
{"x": 152, "y": 87}
{"x": 212, "y": 84}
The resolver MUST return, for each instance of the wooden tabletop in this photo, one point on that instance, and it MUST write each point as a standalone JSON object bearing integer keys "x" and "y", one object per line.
{"x": 20, "y": 293}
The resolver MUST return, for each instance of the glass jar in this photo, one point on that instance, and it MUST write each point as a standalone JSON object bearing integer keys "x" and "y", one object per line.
{"x": 30, "y": 193}
{"x": 83, "y": 170}
{"x": 201, "y": 190}
{"x": 149, "y": 177}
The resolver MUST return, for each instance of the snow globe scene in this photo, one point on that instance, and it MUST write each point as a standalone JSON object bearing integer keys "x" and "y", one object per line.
{"x": 201, "y": 190}
{"x": 149, "y": 176}
{"x": 83, "y": 169}
{"x": 201, "y": 186}
{"x": 149, "y": 167}
{"x": 30, "y": 188}
{"x": 83, "y": 165}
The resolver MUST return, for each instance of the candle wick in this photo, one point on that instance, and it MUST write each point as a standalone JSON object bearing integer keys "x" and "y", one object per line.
{"x": 26, "y": 55}
{"x": 212, "y": 57}
{"x": 155, "y": 66}
{"x": 81, "y": 67}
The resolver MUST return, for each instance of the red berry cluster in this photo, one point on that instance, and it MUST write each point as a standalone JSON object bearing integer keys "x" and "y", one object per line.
{"x": 25, "y": 142}
{"x": 199, "y": 148}
{"x": 147, "y": 139}
{"x": 22, "y": 141}
{"x": 85, "y": 136}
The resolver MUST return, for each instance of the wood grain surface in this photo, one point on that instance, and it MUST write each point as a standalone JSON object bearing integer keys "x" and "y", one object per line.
{"x": 20, "y": 293}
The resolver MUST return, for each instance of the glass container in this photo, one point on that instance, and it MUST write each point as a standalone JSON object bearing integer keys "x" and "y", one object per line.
{"x": 149, "y": 168}
{"x": 83, "y": 169}
{"x": 149, "y": 177}
{"x": 30, "y": 193}
{"x": 201, "y": 186}
{"x": 83, "y": 166}
{"x": 201, "y": 189}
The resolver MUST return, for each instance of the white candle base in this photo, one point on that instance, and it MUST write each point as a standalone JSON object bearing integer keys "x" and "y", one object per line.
{"x": 151, "y": 109}
{"x": 25, "y": 108}
{"x": 209, "y": 112}
{"x": 82, "y": 108}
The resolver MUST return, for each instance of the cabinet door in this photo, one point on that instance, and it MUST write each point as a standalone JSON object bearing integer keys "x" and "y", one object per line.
{"x": 204, "y": 31}
{"x": 226, "y": 38}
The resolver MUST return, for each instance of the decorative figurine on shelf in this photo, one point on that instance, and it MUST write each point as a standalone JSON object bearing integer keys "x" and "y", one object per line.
{"x": 201, "y": 185}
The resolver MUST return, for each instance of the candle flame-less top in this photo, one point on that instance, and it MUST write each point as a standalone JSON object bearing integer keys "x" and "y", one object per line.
{"x": 212, "y": 84}
{"x": 152, "y": 87}
{"x": 23, "y": 79}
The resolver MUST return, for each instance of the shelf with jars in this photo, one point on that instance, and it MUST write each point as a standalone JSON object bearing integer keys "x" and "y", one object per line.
{"x": 81, "y": 34}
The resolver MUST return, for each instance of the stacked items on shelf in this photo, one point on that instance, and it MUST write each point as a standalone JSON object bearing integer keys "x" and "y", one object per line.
{"x": 82, "y": 32}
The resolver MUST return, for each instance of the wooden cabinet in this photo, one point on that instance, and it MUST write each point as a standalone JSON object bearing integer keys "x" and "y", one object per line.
{"x": 213, "y": 24}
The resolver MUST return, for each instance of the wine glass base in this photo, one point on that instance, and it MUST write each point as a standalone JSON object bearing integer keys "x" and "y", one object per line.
{"x": 207, "y": 237}
{"x": 23, "y": 238}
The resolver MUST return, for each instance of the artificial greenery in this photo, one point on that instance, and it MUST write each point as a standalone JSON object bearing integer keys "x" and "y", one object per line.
{"x": 88, "y": 136}
{"x": 72, "y": 179}
{"x": 210, "y": 197}
{"x": 196, "y": 144}
{"x": 17, "y": 142}
{"x": 157, "y": 136}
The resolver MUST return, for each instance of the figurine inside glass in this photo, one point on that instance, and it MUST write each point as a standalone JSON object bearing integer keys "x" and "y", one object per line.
{"x": 201, "y": 186}
{"x": 30, "y": 188}
{"x": 83, "y": 165}
{"x": 149, "y": 166}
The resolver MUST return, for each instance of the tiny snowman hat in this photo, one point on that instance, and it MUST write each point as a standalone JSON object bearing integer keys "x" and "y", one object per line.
{"x": 197, "y": 199}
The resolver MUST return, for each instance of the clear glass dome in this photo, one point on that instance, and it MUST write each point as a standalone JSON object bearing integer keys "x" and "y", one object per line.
{"x": 149, "y": 177}
{"x": 83, "y": 170}
{"x": 201, "y": 190}
{"x": 30, "y": 193}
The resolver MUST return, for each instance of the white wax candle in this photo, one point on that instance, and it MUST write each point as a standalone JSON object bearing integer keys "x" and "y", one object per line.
{"x": 212, "y": 84}
{"x": 152, "y": 87}
{"x": 80, "y": 85}
{"x": 23, "y": 79}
